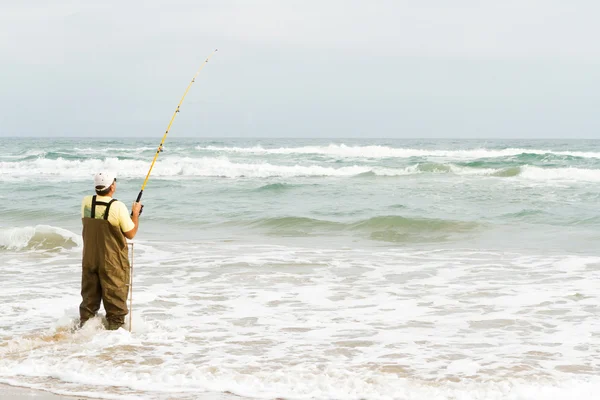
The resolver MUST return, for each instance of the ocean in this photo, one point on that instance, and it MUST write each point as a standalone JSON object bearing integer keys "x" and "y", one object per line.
{"x": 311, "y": 269}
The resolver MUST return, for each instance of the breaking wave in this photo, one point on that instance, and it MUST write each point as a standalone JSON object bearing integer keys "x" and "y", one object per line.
{"x": 342, "y": 150}
{"x": 40, "y": 237}
{"x": 62, "y": 169}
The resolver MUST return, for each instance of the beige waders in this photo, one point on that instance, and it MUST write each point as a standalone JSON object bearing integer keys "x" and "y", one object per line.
{"x": 105, "y": 269}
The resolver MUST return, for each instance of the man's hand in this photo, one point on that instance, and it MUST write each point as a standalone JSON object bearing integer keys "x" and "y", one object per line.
{"x": 136, "y": 209}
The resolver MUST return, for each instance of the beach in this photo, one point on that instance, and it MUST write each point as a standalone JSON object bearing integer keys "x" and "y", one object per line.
{"x": 310, "y": 269}
{"x": 19, "y": 393}
{"x": 8, "y": 392}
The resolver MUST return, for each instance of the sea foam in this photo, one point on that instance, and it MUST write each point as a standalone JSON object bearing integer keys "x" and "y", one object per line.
{"x": 343, "y": 150}
{"x": 183, "y": 167}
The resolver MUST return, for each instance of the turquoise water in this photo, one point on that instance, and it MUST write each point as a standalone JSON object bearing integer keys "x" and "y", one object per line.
{"x": 312, "y": 269}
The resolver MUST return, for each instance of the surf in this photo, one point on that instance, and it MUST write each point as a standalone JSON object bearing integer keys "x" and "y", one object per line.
{"x": 39, "y": 237}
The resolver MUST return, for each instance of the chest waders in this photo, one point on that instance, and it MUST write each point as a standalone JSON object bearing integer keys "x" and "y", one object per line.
{"x": 105, "y": 269}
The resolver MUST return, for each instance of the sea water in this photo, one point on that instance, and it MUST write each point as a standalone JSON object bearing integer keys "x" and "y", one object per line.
{"x": 311, "y": 269}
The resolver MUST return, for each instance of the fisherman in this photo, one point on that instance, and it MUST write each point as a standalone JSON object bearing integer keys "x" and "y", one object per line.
{"x": 105, "y": 264}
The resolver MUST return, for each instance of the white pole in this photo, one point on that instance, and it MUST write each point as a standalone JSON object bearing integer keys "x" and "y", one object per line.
{"x": 131, "y": 289}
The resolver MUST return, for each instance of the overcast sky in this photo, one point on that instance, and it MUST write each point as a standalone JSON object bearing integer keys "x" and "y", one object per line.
{"x": 327, "y": 68}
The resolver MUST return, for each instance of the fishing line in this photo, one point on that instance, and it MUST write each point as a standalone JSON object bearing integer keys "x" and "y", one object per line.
{"x": 160, "y": 146}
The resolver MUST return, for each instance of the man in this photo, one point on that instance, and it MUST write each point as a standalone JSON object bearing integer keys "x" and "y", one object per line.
{"x": 105, "y": 265}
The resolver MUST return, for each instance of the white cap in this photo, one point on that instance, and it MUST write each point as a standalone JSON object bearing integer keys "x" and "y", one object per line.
{"x": 103, "y": 180}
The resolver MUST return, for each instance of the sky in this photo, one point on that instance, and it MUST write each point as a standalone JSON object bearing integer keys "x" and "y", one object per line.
{"x": 285, "y": 68}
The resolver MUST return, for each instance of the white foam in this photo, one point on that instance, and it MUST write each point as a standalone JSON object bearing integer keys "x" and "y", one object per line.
{"x": 274, "y": 321}
{"x": 560, "y": 174}
{"x": 107, "y": 150}
{"x": 184, "y": 167}
{"x": 473, "y": 171}
{"x": 225, "y": 168}
{"x": 60, "y": 169}
{"x": 343, "y": 150}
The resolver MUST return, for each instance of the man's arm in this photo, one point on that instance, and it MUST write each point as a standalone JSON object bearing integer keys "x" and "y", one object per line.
{"x": 135, "y": 217}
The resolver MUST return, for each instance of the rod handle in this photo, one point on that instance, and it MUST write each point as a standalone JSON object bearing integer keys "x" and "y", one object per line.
{"x": 139, "y": 197}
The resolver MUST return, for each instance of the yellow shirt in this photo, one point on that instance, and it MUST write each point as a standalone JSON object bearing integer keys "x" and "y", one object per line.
{"x": 117, "y": 216}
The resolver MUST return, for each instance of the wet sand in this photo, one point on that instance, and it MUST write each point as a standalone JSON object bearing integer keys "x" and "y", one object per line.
{"x": 8, "y": 392}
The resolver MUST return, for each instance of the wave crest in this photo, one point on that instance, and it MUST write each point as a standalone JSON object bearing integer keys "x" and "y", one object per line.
{"x": 389, "y": 228}
{"x": 221, "y": 167}
{"x": 376, "y": 151}
{"x": 40, "y": 237}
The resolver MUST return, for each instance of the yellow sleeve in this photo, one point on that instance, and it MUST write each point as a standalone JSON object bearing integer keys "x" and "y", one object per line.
{"x": 86, "y": 202}
{"x": 125, "y": 222}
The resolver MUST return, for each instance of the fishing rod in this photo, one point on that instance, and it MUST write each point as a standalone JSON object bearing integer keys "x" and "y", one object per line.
{"x": 160, "y": 146}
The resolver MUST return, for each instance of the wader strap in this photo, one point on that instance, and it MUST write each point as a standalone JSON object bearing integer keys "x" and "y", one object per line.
{"x": 93, "y": 215}
{"x": 102, "y": 203}
{"x": 108, "y": 208}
